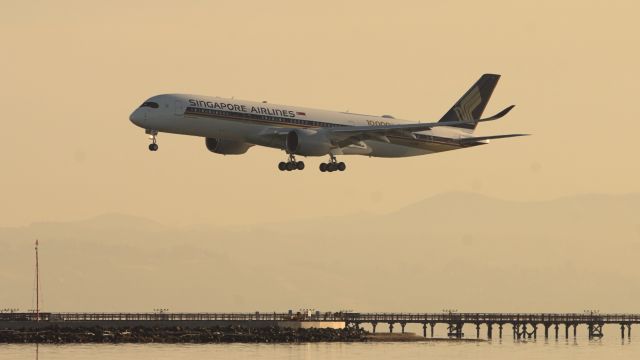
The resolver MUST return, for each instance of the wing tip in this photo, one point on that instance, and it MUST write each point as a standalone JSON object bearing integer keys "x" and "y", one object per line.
{"x": 505, "y": 111}
{"x": 497, "y": 116}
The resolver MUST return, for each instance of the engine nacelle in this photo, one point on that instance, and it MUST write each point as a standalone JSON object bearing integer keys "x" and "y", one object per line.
{"x": 307, "y": 142}
{"x": 227, "y": 147}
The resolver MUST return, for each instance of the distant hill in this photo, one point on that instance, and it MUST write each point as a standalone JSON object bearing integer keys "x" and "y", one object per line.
{"x": 455, "y": 250}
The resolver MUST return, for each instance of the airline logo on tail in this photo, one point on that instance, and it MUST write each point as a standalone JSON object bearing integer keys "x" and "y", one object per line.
{"x": 469, "y": 108}
{"x": 466, "y": 106}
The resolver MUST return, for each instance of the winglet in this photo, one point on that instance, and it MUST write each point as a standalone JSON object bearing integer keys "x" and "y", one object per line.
{"x": 498, "y": 115}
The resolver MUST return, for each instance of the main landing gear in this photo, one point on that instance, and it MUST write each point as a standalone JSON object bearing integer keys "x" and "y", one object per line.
{"x": 152, "y": 135}
{"x": 292, "y": 164}
{"x": 332, "y": 165}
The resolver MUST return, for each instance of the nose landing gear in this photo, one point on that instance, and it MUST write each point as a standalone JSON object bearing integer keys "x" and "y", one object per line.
{"x": 292, "y": 164}
{"x": 333, "y": 165}
{"x": 152, "y": 136}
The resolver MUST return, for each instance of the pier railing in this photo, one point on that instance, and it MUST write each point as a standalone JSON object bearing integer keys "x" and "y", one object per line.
{"x": 493, "y": 317}
{"x": 148, "y": 316}
{"x": 497, "y": 318}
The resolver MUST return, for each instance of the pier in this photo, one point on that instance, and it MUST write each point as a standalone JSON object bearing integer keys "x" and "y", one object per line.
{"x": 482, "y": 325}
{"x": 523, "y": 325}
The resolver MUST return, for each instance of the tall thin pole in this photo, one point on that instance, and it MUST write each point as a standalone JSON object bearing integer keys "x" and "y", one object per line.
{"x": 37, "y": 285}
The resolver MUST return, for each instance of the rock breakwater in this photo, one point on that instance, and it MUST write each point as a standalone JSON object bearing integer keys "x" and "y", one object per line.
{"x": 231, "y": 334}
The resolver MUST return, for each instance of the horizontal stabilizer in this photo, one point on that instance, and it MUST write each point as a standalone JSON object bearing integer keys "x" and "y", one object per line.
{"x": 483, "y": 138}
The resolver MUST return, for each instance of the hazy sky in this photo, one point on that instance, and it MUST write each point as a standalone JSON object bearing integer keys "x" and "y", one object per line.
{"x": 72, "y": 71}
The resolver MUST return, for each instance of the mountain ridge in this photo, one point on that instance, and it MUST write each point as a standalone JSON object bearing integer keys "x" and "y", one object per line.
{"x": 463, "y": 251}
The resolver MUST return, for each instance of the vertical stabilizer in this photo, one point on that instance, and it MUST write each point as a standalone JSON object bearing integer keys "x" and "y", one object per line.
{"x": 471, "y": 105}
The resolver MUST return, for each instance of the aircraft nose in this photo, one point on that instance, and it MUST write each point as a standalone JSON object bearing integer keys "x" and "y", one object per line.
{"x": 137, "y": 117}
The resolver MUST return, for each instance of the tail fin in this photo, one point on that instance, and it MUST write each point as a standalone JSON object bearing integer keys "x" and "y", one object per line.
{"x": 471, "y": 105}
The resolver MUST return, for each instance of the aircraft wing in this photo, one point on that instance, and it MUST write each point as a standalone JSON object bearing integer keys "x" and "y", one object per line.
{"x": 349, "y": 134}
{"x": 482, "y": 138}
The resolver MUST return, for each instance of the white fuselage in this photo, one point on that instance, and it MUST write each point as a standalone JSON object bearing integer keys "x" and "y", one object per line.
{"x": 256, "y": 122}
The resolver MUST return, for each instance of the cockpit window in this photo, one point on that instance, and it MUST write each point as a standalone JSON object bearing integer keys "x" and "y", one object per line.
{"x": 150, "y": 104}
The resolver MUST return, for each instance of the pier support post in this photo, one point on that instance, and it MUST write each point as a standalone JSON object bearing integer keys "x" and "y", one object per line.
{"x": 500, "y": 330}
{"x": 520, "y": 331}
{"x": 455, "y": 330}
{"x": 373, "y": 325}
{"x": 575, "y": 330}
{"x": 566, "y": 331}
{"x": 628, "y": 330}
{"x": 390, "y": 328}
{"x": 478, "y": 331}
{"x": 424, "y": 329}
{"x": 535, "y": 331}
{"x": 489, "y": 331}
{"x": 546, "y": 330}
{"x": 595, "y": 330}
{"x": 433, "y": 325}
{"x": 556, "y": 327}
{"x": 402, "y": 325}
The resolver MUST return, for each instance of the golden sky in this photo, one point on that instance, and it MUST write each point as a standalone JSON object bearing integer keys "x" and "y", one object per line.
{"x": 72, "y": 71}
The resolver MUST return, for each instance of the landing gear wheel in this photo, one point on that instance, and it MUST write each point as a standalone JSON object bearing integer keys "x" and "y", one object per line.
{"x": 291, "y": 164}
{"x": 332, "y": 165}
{"x": 153, "y": 137}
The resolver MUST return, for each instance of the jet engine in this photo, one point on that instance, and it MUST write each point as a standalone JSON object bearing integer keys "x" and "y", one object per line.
{"x": 307, "y": 142}
{"x": 227, "y": 147}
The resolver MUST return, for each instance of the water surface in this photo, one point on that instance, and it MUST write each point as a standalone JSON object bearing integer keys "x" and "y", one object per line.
{"x": 581, "y": 348}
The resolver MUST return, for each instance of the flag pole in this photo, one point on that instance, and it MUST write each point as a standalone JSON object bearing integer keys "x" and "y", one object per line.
{"x": 37, "y": 285}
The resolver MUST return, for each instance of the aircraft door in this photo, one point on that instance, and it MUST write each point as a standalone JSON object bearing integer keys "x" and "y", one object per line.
{"x": 179, "y": 108}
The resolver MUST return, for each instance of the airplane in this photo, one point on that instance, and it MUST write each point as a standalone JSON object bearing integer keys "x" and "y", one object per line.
{"x": 231, "y": 127}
